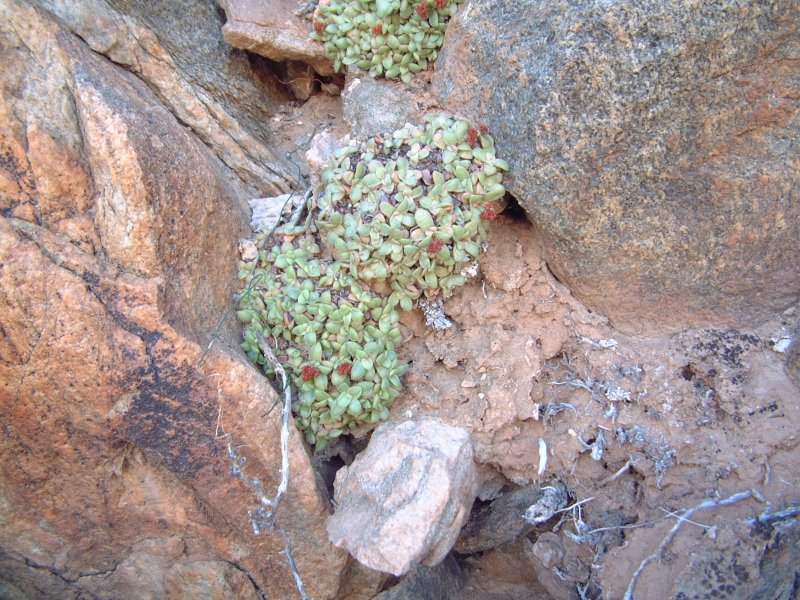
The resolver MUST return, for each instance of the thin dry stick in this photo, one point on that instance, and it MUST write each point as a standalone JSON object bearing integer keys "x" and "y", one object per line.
{"x": 290, "y": 559}
{"x": 674, "y": 531}
{"x": 622, "y": 470}
{"x": 299, "y": 209}
{"x": 576, "y": 505}
{"x": 273, "y": 504}
{"x": 677, "y": 516}
{"x": 789, "y": 513}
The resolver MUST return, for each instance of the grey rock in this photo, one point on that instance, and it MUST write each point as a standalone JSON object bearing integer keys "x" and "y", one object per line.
{"x": 503, "y": 520}
{"x": 653, "y": 144}
{"x": 373, "y": 106}
{"x": 319, "y": 153}
{"x": 404, "y": 499}
{"x": 441, "y": 582}
{"x": 301, "y": 79}
{"x": 559, "y": 563}
{"x": 267, "y": 212}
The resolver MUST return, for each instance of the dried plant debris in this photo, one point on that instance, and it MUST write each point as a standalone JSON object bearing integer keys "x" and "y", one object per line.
{"x": 401, "y": 213}
{"x": 389, "y": 38}
{"x": 654, "y": 447}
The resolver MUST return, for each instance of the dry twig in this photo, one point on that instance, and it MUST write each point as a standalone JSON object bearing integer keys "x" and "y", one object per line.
{"x": 272, "y": 504}
{"x": 266, "y": 515}
{"x": 738, "y": 497}
{"x": 290, "y": 559}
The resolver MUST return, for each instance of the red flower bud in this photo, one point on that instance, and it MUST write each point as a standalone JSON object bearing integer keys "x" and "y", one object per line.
{"x": 422, "y": 9}
{"x": 344, "y": 368}
{"x": 488, "y": 214}
{"x": 309, "y": 373}
{"x": 435, "y": 246}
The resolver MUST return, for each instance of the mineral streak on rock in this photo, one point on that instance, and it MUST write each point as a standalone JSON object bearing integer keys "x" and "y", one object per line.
{"x": 113, "y": 469}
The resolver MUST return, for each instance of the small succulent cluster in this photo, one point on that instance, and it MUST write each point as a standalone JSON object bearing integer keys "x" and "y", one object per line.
{"x": 412, "y": 209}
{"x": 392, "y": 38}
{"x": 402, "y": 214}
{"x": 334, "y": 336}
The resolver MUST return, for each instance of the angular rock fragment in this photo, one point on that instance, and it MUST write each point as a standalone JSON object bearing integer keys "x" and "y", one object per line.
{"x": 373, "y": 106}
{"x": 404, "y": 499}
{"x": 272, "y": 29}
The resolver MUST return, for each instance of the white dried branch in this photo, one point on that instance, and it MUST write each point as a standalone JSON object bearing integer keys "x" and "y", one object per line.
{"x": 620, "y": 472}
{"x": 542, "y": 457}
{"x": 298, "y": 210}
{"x": 789, "y": 513}
{"x": 290, "y": 559}
{"x": 738, "y": 497}
{"x": 273, "y": 504}
{"x": 576, "y": 383}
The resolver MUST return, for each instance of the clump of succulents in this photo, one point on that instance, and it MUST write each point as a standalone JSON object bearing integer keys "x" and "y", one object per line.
{"x": 392, "y": 38}
{"x": 335, "y": 337}
{"x": 404, "y": 214}
{"x": 412, "y": 208}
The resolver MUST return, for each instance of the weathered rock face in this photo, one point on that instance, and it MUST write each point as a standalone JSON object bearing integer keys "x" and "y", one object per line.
{"x": 376, "y": 106}
{"x": 117, "y": 250}
{"x": 223, "y": 95}
{"x": 652, "y": 143}
{"x": 404, "y": 499}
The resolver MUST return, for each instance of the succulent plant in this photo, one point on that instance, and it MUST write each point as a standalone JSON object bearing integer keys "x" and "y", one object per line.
{"x": 334, "y": 336}
{"x": 390, "y": 38}
{"x": 410, "y": 210}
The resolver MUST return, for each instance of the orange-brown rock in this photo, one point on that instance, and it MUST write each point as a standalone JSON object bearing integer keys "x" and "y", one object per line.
{"x": 222, "y": 94}
{"x": 117, "y": 247}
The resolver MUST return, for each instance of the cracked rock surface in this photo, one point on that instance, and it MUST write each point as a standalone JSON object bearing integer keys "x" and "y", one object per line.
{"x": 404, "y": 499}
{"x": 114, "y": 474}
{"x": 177, "y": 50}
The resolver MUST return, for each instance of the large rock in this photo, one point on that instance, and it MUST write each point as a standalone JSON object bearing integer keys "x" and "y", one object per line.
{"x": 404, "y": 499}
{"x": 652, "y": 143}
{"x": 117, "y": 256}
{"x": 176, "y": 46}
